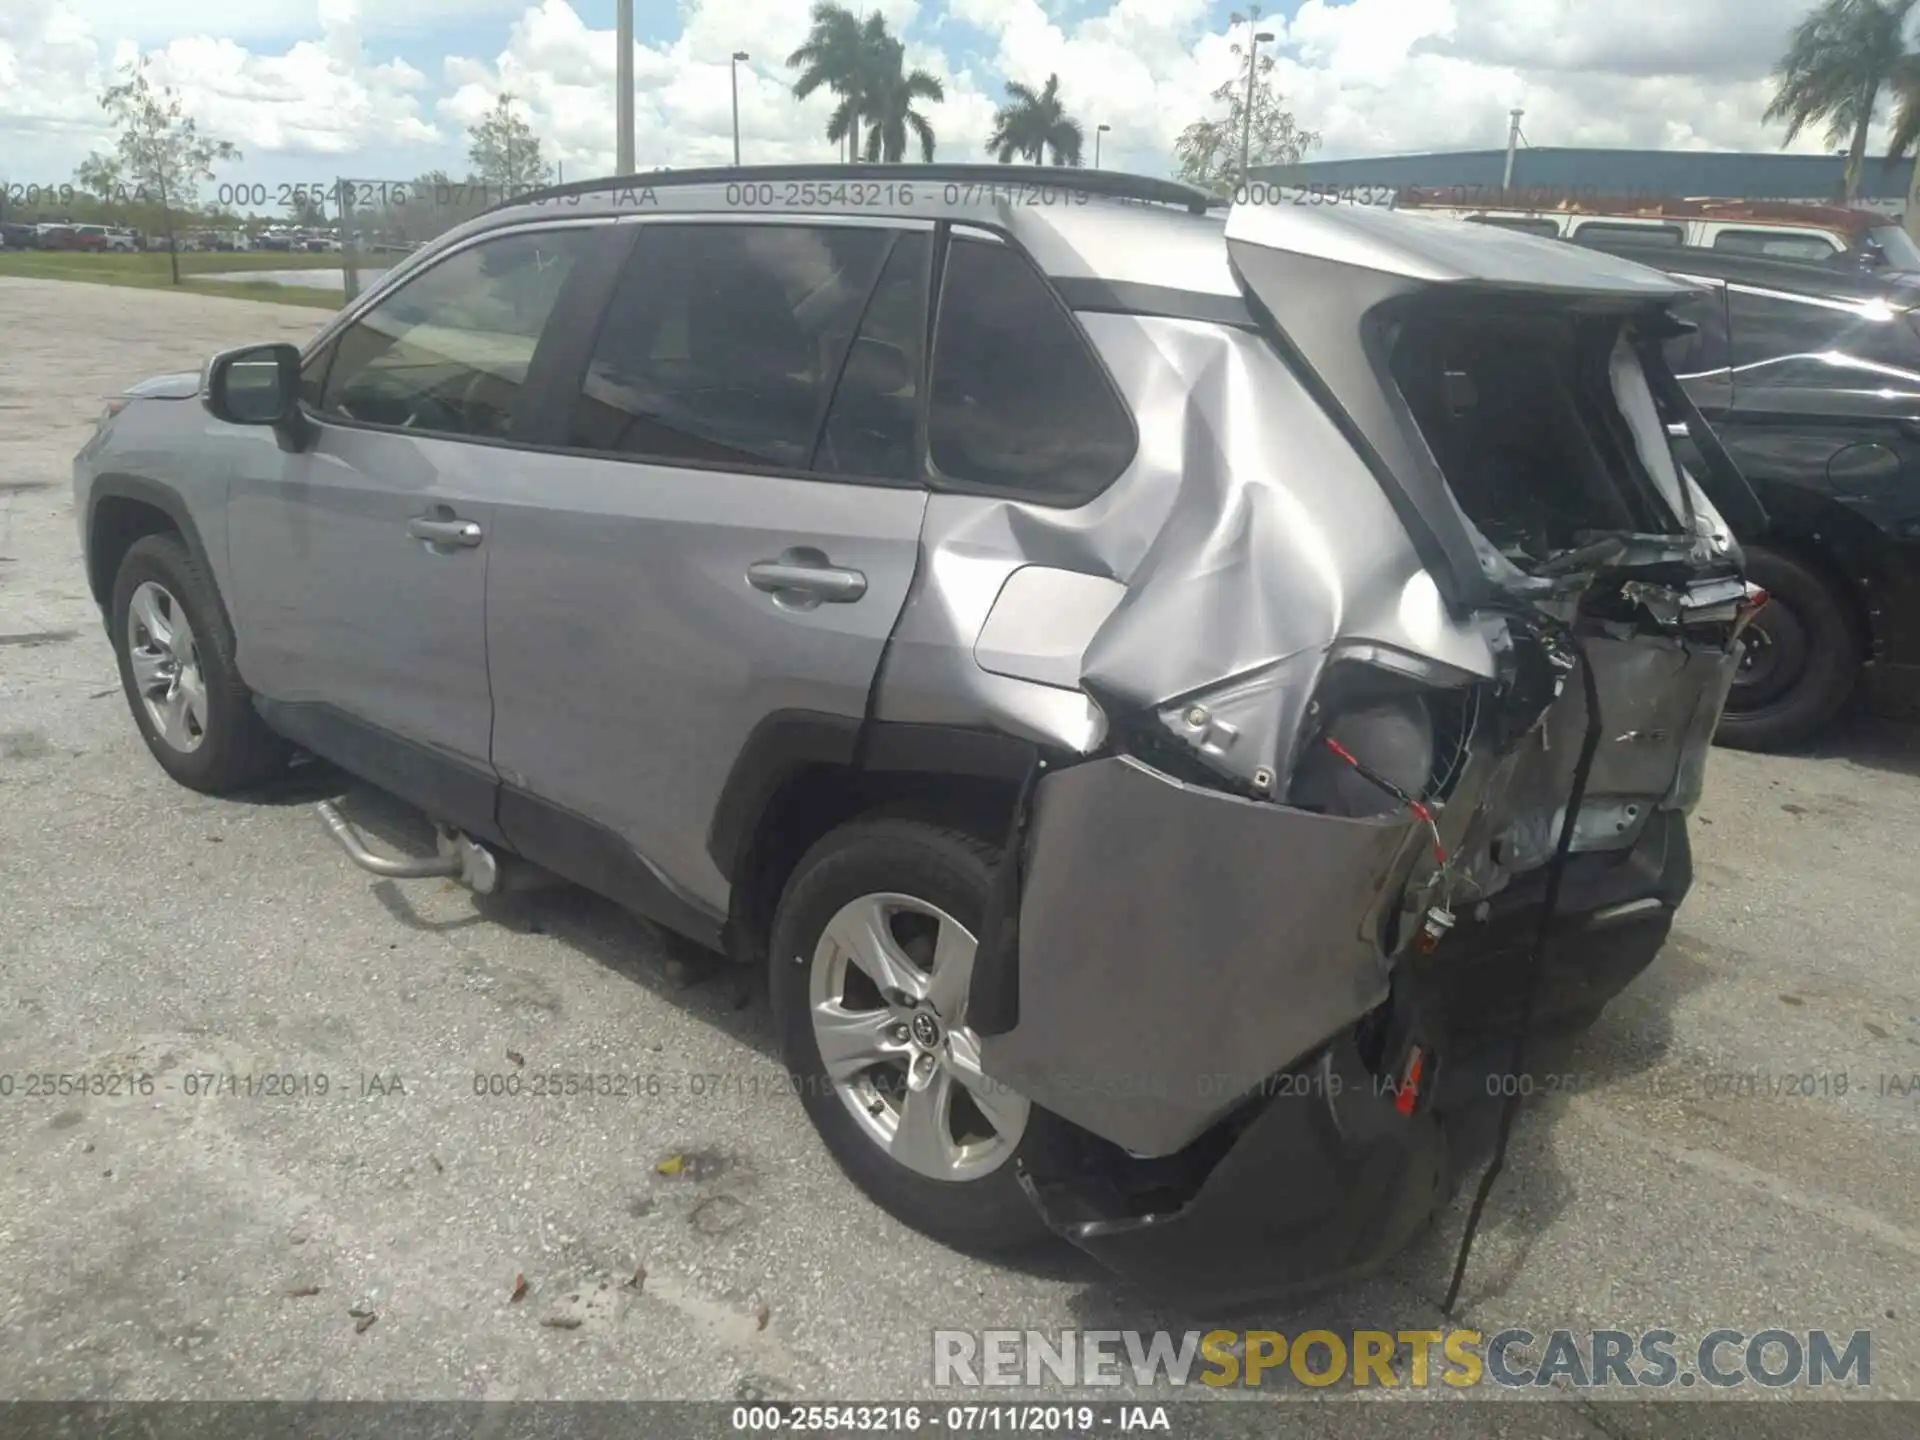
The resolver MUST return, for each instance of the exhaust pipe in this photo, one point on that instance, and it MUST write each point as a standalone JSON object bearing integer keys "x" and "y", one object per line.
{"x": 459, "y": 857}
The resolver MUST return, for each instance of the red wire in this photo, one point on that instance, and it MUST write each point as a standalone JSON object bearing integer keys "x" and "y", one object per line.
{"x": 1420, "y": 811}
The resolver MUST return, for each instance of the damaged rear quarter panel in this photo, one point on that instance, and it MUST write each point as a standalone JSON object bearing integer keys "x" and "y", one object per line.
{"x": 1182, "y": 944}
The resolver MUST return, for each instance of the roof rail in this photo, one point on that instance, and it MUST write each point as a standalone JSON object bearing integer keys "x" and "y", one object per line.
{"x": 1115, "y": 184}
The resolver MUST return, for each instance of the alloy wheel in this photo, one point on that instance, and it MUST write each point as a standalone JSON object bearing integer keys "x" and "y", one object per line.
{"x": 165, "y": 659}
{"x": 887, "y": 994}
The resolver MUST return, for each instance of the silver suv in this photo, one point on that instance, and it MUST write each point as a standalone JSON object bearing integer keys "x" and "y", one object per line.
{"x": 1124, "y": 669}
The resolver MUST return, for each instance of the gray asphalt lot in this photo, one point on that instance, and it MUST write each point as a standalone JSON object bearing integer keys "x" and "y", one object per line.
{"x": 180, "y": 1245}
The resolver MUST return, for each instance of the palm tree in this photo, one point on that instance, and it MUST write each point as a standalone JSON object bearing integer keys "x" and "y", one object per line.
{"x": 1839, "y": 60}
{"x": 838, "y": 55}
{"x": 1031, "y": 125}
{"x": 889, "y": 105}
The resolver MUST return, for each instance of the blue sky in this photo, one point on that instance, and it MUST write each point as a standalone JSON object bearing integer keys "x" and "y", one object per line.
{"x": 313, "y": 89}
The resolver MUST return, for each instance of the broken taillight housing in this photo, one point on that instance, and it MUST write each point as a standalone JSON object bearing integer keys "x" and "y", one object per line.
{"x": 1745, "y": 612}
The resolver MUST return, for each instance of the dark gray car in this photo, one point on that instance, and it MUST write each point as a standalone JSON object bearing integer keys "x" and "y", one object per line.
{"x": 1123, "y": 668}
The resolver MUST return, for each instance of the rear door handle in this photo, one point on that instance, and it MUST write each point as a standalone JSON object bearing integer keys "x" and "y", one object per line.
{"x": 830, "y": 583}
{"x": 463, "y": 533}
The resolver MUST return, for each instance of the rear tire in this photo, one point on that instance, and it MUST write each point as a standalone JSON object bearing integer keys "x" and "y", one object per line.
{"x": 1802, "y": 660}
{"x": 175, "y": 648}
{"x": 869, "y": 896}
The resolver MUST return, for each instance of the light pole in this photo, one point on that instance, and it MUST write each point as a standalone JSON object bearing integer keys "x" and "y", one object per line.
{"x": 1246, "y": 128}
{"x": 1513, "y": 144}
{"x": 623, "y": 89}
{"x": 1098, "y": 131}
{"x": 738, "y": 56}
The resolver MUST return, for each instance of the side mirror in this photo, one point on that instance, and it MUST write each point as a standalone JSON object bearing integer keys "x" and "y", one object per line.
{"x": 257, "y": 385}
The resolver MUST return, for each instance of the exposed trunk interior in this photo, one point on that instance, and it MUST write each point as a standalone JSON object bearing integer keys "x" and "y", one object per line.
{"x": 1518, "y": 405}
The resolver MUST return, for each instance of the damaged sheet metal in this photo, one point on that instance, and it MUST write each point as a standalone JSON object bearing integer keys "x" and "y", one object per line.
{"x": 1661, "y": 699}
{"x": 1182, "y": 945}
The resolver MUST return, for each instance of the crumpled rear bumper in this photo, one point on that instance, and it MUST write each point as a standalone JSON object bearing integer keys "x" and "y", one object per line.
{"x": 1180, "y": 945}
{"x": 1324, "y": 1175}
{"x": 1327, "y": 1183}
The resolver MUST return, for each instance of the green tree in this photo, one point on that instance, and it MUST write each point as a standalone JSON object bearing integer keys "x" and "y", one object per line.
{"x": 889, "y": 107}
{"x": 159, "y": 153}
{"x": 505, "y": 153}
{"x": 1839, "y": 62}
{"x": 1033, "y": 126}
{"x": 863, "y": 64}
{"x": 837, "y": 58}
{"x": 1208, "y": 151}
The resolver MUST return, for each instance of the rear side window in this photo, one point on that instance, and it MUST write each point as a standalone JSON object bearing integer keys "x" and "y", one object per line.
{"x": 1781, "y": 340}
{"x": 1019, "y": 403}
{"x": 1604, "y": 230}
{"x": 723, "y": 343}
{"x": 1780, "y": 244}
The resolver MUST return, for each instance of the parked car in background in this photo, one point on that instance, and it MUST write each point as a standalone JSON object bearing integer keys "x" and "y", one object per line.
{"x": 1151, "y": 693}
{"x": 73, "y": 237}
{"x": 18, "y": 236}
{"x": 1822, "y": 234}
{"x": 109, "y": 237}
{"x": 1811, "y": 380}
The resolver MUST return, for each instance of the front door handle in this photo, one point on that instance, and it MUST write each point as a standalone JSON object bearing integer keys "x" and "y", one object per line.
{"x": 463, "y": 533}
{"x": 818, "y": 581}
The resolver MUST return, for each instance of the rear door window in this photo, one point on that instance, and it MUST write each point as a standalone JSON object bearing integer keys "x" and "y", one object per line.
{"x": 1019, "y": 405}
{"x": 722, "y": 344}
{"x": 872, "y": 425}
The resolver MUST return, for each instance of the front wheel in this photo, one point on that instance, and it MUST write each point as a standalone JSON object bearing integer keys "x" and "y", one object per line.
{"x": 176, "y": 666}
{"x": 872, "y": 956}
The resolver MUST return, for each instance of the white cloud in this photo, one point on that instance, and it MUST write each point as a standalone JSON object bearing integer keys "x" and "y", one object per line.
{"x": 293, "y": 81}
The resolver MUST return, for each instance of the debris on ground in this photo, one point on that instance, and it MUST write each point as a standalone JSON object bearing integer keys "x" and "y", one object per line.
{"x": 520, "y": 1288}
{"x": 301, "y": 1292}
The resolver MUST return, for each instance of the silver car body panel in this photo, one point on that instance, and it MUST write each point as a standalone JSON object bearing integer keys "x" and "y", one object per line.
{"x": 630, "y": 656}
{"x": 334, "y": 602}
{"x": 1144, "y": 903}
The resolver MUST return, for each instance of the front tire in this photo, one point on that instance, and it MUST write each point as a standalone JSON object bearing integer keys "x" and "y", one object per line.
{"x": 871, "y": 955}
{"x": 175, "y": 649}
{"x": 1801, "y": 663}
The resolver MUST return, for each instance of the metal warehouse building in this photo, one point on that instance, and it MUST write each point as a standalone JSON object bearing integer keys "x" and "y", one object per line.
{"x": 1552, "y": 170}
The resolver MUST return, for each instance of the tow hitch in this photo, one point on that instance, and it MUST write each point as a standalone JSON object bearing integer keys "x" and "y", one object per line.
{"x": 458, "y": 856}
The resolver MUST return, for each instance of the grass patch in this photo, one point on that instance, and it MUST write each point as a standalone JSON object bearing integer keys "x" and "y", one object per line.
{"x": 150, "y": 271}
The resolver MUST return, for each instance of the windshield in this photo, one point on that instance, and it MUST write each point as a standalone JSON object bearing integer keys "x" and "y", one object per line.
{"x": 1897, "y": 246}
